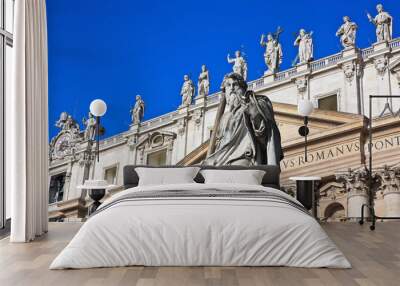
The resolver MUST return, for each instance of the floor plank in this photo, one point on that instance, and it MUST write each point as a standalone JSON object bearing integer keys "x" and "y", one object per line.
{"x": 375, "y": 257}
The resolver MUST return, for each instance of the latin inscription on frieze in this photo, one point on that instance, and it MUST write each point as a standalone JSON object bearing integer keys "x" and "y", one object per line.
{"x": 315, "y": 156}
{"x": 339, "y": 151}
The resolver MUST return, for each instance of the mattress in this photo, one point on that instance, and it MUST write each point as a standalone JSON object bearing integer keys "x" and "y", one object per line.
{"x": 201, "y": 225}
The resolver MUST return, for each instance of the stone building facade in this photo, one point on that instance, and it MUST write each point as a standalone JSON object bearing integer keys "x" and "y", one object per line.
{"x": 339, "y": 87}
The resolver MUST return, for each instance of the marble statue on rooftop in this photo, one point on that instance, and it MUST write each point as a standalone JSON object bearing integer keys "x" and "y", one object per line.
{"x": 239, "y": 64}
{"x": 273, "y": 51}
{"x": 246, "y": 133}
{"x": 61, "y": 121}
{"x": 187, "y": 91}
{"x": 347, "y": 33}
{"x": 203, "y": 85}
{"x": 71, "y": 124}
{"x": 137, "y": 111}
{"x": 90, "y": 127}
{"x": 384, "y": 24}
{"x": 306, "y": 49}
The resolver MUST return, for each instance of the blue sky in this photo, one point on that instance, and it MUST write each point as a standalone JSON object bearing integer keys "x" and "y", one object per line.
{"x": 115, "y": 49}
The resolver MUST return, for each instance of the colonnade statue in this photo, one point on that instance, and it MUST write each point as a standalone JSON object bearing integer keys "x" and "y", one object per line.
{"x": 347, "y": 33}
{"x": 203, "y": 85}
{"x": 239, "y": 64}
{"x": 273, "y": 50}
{"x": 384, "y": 24}
{"x": 137, "y": 111}
{"x": 187, "y": 91}
{"x": 90, "y": 127}
{"x": 245, "y": 131}
{"x": 306, "y": 49}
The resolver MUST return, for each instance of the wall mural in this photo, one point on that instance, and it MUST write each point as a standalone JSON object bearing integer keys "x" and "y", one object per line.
{"x": 254, "y": 122}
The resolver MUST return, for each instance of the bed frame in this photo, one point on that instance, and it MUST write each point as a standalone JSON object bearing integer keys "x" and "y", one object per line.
{"x": 271, "y": 177}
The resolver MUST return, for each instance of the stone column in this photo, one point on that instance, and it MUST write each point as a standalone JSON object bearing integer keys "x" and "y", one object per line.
{"x": 356, "y": 184}
{"x": 390, "y": 185}
{"x": 170, "y": 149}
{"x": 351, "y": 101}
{"x": 380, "y": 59}
{"x": 198, "y": 132}
{"x": 132, "y": 142}
{"x": 182, "y": 131}
{"x": 67, "y": 182}
{"x": 354, "y": 202}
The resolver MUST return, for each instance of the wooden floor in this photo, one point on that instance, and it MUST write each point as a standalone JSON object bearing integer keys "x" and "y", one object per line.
{"x": 375, "y": 257}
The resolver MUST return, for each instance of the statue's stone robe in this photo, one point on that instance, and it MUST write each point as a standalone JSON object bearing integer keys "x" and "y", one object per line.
{"x": 187, "y": 92}
{"x": 347, "y": 34}
{"x": 384, "y": 24}
{"x": 248, "y": 138}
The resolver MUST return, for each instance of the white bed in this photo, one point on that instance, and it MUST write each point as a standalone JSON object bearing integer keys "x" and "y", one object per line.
{"x": 245, "y": 225}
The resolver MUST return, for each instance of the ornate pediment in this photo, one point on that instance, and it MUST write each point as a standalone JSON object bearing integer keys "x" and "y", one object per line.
{"x": 155, "y": 139}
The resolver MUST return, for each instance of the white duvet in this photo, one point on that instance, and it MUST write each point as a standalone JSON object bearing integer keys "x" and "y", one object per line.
{"x": 203, "y": 231}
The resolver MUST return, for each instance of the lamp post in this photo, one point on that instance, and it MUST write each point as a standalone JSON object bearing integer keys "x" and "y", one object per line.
{"x": 305, "y": 108}
{"x": 98, "y": 108}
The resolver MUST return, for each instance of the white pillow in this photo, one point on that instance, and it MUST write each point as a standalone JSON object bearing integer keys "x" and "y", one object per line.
{"x": 166, "y": 176}
{"x": 248, "y": 177}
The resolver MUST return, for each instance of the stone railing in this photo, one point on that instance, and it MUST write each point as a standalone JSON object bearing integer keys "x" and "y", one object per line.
{"x": 367, "y": 52}
{"x": 151, "y": 123}
{"x": 285, "y": 74}
{"x": 213, "y": 98}
{"x": 118, "y": 138}
{"x": 252, "y": 85}
{"x": 325, "y": 62}
{"x": 395, "y": 43}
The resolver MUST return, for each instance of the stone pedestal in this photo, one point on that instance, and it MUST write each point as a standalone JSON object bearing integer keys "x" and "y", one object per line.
{"x": 134, "y": 127}
{"x": 268, "y": 77}
{"x": 354, "y": 203}
{"x": 200, "y": 99}
{"x": 303, "y": 67}
{"x": 183, "y": 109}
{"x": 349, "y": 52}
{"x": 392, "y": 203}
{"x": 268, "y": 73}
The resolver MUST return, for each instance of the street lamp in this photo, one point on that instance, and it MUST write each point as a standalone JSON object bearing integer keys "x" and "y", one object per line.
{"x": 305, "y": 108}
{"x": 98, "y": 108}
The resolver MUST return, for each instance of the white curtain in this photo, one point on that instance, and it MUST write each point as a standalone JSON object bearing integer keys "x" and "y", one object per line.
{"x": 27, "y": 123}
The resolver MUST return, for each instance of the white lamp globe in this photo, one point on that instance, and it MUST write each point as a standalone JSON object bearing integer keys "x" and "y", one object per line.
{"x": 98, "y": 107}
{"x": 305, "y": 107}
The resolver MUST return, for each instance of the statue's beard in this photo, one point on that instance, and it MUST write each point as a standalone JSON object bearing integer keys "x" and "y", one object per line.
{"x": 233, "y": 101}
